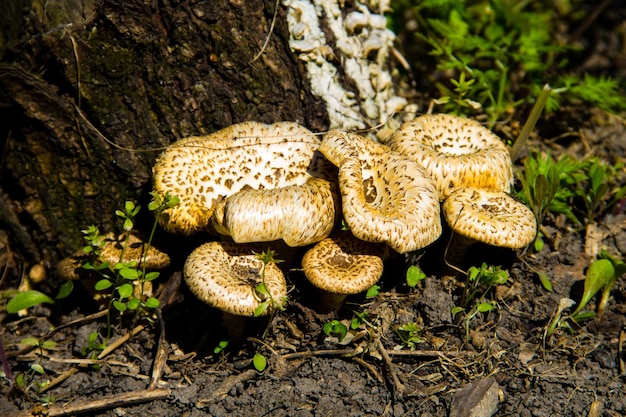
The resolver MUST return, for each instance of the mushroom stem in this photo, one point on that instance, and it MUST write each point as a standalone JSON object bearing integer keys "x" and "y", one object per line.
{"x": 521, "y": 140}
{"x": 235, "y": 325}
{"x": 329, "y": 301}
{"x": 454, "y": 255}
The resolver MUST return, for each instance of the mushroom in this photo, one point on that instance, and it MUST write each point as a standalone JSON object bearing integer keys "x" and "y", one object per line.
{"x": 203, "y": 171}
{"x": 115, "y": 249}
{"x": 342, "y": 265}
{"x": 225, "y": 275}
{"x": 457, "y": 152}
{"x": 385, "y": 196}
{"x": 488, "y": 216}
{"x": 298, "y": 214}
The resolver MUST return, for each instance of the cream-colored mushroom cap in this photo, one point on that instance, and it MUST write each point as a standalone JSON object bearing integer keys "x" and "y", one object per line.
{"x": 298, "y": 214}
{"x": 491, "y": 217}
{"x": 456, "y": 151}
{"x": 343, "y": 265}
{"x": 385, "y": 196}
{"x": 202, "y": 171}
{"x": 225, "y": 275}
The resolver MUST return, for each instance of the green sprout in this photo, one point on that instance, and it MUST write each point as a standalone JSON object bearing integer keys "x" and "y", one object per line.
{"x": 473, "y": 300}
{"x": 335, "y": 329}
{"x": 409, "y": 335}
{"x": 414, "y": 275}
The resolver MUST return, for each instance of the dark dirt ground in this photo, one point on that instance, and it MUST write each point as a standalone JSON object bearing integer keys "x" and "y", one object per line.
{"x": 579, "y": 374}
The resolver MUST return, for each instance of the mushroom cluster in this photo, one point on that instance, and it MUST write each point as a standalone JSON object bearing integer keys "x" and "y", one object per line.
{"x": 256, "y": 183}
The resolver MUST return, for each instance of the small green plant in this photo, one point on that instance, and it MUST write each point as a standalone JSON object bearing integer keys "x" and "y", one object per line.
{"x": 414, "y": 275}
{"x": 335, "y": 329}
{"x": 474, "y": 298}
{"x": 124, "y": 280}
{"x": 259, "y": 361}
{"x": 95, "y": 345}
{"x": 601, "y": 275}
{"x": 219, "y": 349}
{"x": 270, "y": 304}
{"x": 30, "y": 382}
{"x": 409, "y": 336}
{"x": 582, "y": 191}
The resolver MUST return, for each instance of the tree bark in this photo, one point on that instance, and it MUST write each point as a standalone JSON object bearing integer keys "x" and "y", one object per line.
{"x": 91, "y": 91}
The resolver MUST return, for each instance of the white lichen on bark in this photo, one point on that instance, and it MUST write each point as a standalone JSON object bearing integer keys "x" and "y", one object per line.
{"x": 349, "y": 71}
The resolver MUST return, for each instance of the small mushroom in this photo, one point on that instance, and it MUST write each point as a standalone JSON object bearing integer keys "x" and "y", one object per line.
{"x": 225, "y": 275}
{"x": 202, "y": 171}
{"x": 340, "y": 266}
{"x": 488, "y": 216}
{"x": 385, "y": 196}
{"x": 137, "y": 250}
{"x": 457, "y": 152}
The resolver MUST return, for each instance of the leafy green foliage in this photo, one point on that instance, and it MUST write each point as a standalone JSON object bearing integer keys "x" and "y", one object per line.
{"x": 335, "y": 328}
{"x": 473, "y": 300}
{"x": 491, "y": 53}
{"x": 259, "y": 362}
{"x": 582, "y": 191}
{"x": 271, "y": 304}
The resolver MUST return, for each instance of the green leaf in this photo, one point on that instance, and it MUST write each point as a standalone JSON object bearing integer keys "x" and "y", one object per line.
{"x": 220, "y": 346}
{"x": 133, "y": 303}
{"x": 456, "y": 310}
{"x": 125, "y": 290}
{"x": 119, "y": 306}
{"x": 65, "y": 290}
{"x": 103, "y": 284}
{"x": 48, "y": 344}
{"x": 335, "y": 328}
{"x": 127, "y": 225}
{"x": 30, "y": 341}
{"x": 484, "y": 307}
{"x": 545, "y": 281}
{"x": 259, "y": 362}
{"x": 414, "y": 275}
{"x": 261, "y": 309}
{"x": 129, "y": 273}
{"x": 150, "y": 276}
{"x": 372, "y": 291}
{"x": 599, "y": 274}
{"x": 37, "y": 368}
{"x": 27, "y": 299}
{"x": 152, "y": 302}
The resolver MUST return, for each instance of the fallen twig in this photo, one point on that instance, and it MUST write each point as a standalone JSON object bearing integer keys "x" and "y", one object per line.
{"x": 112, "y": 401}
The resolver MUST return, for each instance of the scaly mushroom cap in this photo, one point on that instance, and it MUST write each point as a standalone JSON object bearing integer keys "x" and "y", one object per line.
{"x": 201, "y": 171}
{"x": 298, "y": 214}
{"x": 385, "y": 196}
{"x": 343, "y": 265}
{"x": 225, "y": 275}
{"x": 491, "y": 217}
{"x": 71, "y": 268}
{"x": 457, "y": 152}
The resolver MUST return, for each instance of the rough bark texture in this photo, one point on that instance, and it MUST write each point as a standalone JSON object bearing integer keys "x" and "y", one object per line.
{"x": 91, "y": 91}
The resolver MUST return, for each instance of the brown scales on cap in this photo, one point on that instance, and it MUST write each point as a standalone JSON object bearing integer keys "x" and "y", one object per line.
{"x": 340, "y": 266}
{"x": 202, "y": 171}
{"x": 491, "y": 217}
{"x": 457, "y": 152}
{"x": 225, "y": 275}
{"x": 385, "y": 196}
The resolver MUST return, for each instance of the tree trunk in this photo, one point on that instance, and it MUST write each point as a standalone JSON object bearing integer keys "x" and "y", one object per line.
{"x": 91, "y": 91}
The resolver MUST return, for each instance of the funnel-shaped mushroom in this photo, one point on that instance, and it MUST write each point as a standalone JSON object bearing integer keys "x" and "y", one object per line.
{"x": 225, "y": 276}
{"x": 457, "y": 152}
{"x": 340, "y": 266}
{"x": 202, "y": 171}
{"x": 385, "y": 196}
{"x": 488, "y": 216}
